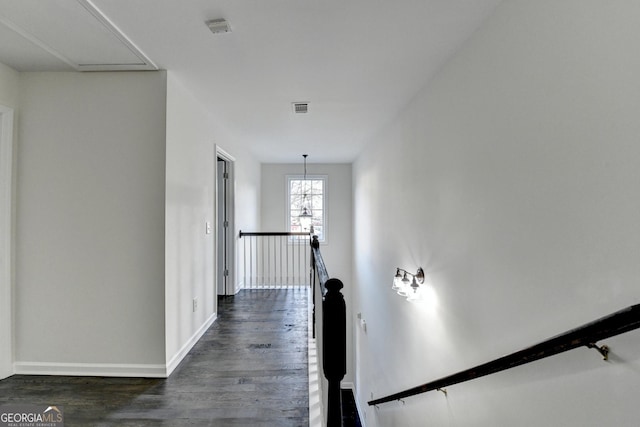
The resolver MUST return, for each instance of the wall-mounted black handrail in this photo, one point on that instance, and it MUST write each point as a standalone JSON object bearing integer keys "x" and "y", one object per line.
{"x": 334, "y": 334}
{"x": 586, "y": 335}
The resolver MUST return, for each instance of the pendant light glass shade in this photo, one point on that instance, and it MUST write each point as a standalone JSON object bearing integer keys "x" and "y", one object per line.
{"x": 305, "y": 218}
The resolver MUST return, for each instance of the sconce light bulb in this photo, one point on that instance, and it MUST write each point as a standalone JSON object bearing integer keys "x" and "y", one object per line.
{"x": 403, "y": 285}
{"x": 415, "y": 292}
{"x": 397, "y": 281}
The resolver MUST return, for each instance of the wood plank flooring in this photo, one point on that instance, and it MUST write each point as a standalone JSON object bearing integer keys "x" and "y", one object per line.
{"x": 249, "y": 369}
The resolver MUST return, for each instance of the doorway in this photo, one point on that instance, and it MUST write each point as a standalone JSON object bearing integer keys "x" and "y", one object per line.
{"x": 225, "y": 229}
{"x": 6, "y": 199}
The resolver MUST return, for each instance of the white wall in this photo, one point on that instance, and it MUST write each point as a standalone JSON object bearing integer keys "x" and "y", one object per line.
{"x": 338, "y": 248}
{"x": 8, "y": 86}
{"x": 113, "y": 169}
{"x": 192, "y": 136}
{"x": 189, "y": 205}
{"x": 339, "y": 209}
{"x": 9, "y": 80}
{"x": 90, "y": 223}
{"x": 513, "y": 179}
{"x": 248, "y": 190}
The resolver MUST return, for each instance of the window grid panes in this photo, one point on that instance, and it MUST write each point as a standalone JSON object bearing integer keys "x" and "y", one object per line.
{"x": 313, "y": 188}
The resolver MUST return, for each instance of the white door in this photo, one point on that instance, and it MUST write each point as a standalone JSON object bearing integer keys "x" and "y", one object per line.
{"x": 6, "y": 294}
{"x": 225, "y": 226}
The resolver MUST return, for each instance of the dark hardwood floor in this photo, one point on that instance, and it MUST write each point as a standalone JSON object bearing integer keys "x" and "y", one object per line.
{"x": 249, "y": 369}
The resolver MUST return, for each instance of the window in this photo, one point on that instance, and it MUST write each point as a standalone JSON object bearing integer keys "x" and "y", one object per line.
{"x": 309, "y": 193}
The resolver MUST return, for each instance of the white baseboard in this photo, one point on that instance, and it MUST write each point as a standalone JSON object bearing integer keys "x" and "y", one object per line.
{"x": 177, "y": 358}
{"x": 92, "y": 369}
{"x": 114, "y": 369}
{"x": 316, "y": 407}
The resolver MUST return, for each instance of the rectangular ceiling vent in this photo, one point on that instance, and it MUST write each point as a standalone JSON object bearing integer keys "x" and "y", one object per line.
{"x": 300, "y": 107}
{"x": 219, "y": 26}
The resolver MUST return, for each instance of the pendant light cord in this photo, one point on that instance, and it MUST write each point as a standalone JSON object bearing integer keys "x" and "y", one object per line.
{"x": 305, "y": 166}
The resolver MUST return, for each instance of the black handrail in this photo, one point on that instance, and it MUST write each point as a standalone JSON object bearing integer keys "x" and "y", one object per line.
{"x": 318, "y": 264}
{"x": 586, "y": 335}
{"x": 274, "y": 233}
{"x": 334, "y": 334}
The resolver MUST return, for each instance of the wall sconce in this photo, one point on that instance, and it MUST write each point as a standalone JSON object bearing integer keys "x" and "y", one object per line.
{"x": 408, "y": 288}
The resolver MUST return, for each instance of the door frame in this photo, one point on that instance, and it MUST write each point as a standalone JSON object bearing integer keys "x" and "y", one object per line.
{"x": 6, "y": 232}
{"x": 230, "y": 202}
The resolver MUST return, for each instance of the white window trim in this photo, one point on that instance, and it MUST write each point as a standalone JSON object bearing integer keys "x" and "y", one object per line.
{"x": 325, "y": 202}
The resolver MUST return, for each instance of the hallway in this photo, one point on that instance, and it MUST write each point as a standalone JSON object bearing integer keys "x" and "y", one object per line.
{"x": 249, "y": 369}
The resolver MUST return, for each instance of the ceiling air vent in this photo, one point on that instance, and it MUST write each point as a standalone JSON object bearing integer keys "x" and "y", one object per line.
{"x": 300, "y": 107}
{"x": 219, "y": 26}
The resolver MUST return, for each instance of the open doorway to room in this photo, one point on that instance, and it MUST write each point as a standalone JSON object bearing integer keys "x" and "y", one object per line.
{"x": 225, "y": 228}
{"x": 6, "y": 294}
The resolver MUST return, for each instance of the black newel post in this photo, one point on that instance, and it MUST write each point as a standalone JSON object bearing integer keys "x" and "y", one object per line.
{"x": 334, "y": 339}
{"x": 314, "y": 245}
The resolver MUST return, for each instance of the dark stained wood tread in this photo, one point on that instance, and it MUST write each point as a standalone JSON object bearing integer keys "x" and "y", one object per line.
{"x": 249, "y": 369}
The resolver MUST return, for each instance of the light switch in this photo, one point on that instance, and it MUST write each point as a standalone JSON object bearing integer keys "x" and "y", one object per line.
{"x": 208, "y": 227}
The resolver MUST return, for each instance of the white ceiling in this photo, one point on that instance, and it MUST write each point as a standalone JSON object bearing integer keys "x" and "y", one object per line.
{"x": 356, "y": 62}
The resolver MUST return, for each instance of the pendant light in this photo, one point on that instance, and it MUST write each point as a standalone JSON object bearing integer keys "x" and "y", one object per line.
{"x": 305, "y": 211}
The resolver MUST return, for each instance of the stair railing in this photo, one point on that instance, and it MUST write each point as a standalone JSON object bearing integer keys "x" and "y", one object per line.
{"x": 274, "y": 260}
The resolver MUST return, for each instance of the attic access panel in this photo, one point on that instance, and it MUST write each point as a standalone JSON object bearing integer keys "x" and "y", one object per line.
{"x": 75, "y": 33}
